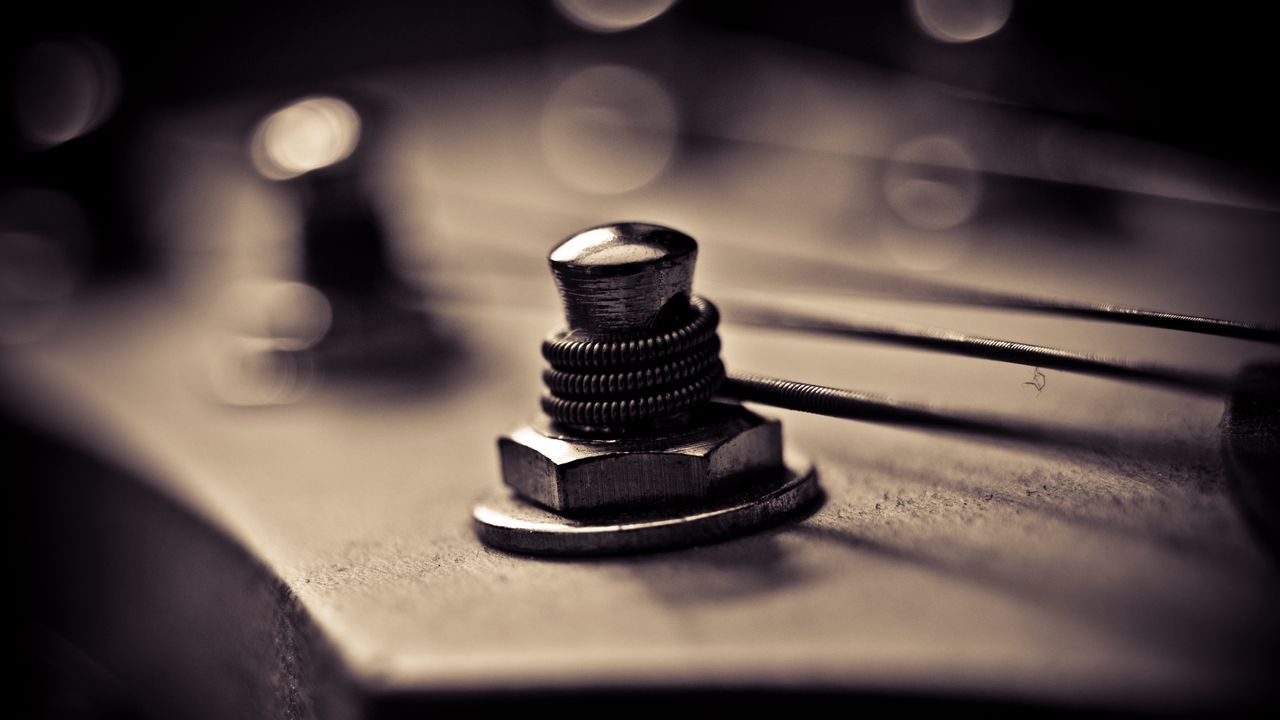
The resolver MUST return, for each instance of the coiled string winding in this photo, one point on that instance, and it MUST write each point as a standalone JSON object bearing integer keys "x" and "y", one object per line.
{"x": 634, "y": 380}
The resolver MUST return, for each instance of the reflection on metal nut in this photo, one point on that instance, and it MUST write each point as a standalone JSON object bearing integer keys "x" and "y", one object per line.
{"x": 725, "y": 447}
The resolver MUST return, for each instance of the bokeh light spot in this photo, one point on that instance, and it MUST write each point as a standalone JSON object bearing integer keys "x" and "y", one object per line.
{"x": 608, "y": 16}
{"x": 933, "y": 183}
{"x": 64, "y": 89}
{"x": 292, "y": 315}
{"x": 255, "y": 372}
{"x": 609, "y": 129}
{"x": 961, "y": 21}
{"x": 307, "y": 135}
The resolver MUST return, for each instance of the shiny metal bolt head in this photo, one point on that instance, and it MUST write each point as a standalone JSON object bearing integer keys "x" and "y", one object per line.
{"x": 623, "y": 278}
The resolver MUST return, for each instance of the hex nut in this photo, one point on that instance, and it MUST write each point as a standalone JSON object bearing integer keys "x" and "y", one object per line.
{"x": 723, "y": 448}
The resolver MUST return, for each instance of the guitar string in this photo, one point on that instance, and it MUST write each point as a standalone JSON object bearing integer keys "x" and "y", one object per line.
{"x": 859, "y": 281}
{"x": 860, "y": 406}
{"x": 868, "y": 407}
{"x": 856, "y": 280}
{"x": 1026, "y": 176}
{"x": 952, "y": 342}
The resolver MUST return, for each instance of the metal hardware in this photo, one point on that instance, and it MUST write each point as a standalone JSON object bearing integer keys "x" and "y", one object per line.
{"x": 631, "y": 453}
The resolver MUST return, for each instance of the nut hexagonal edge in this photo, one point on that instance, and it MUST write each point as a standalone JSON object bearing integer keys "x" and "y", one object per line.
{"x": 583, "y": 475}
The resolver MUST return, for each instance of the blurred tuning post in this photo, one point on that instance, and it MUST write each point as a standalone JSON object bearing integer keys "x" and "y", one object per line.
{"x": 65, "y": 211}
{"x": 349, "y": 316}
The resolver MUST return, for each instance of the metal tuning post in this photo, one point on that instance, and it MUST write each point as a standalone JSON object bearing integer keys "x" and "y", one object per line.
{"x": 631, "y": 453}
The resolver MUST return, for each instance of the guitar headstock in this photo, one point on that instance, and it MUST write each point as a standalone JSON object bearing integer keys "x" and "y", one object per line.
{"x": 256, "y": 467}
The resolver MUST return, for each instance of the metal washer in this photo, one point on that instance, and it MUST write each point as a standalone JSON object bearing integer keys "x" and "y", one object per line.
{"x": 505, "y": 522}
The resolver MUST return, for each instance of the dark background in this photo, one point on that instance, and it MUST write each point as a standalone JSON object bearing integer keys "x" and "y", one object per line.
{"x": 1192, "y": 75}
{"x": 1196, "y": 75}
